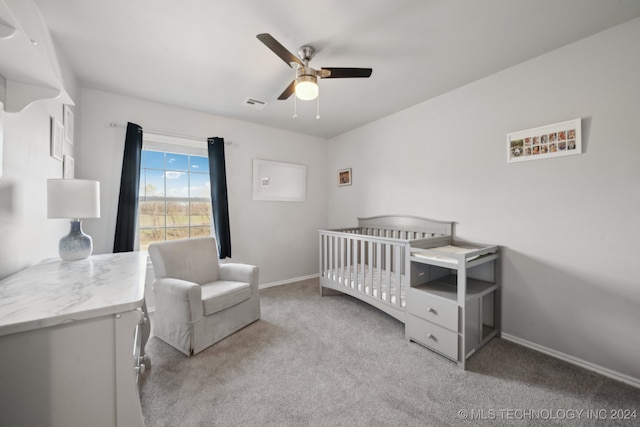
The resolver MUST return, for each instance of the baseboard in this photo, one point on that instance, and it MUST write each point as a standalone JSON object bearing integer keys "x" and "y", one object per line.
{"x": 635, "y": 382}
{"x": 284, "y": 282}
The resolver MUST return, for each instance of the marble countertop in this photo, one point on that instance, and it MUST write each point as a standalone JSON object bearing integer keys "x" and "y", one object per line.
{"x": 55, "y": 292}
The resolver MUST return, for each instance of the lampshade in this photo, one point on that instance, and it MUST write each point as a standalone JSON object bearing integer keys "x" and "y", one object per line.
{"x": 306, "y": 87}
{"x": 73, "y": 198}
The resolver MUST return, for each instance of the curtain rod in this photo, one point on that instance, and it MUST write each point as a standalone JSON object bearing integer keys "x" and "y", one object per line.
{"x": 159, "y": 132}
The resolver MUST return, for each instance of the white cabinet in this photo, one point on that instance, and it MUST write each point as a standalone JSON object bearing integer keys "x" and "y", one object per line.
{"x": 454, "y": 300}
{"x": 69, "y": 352}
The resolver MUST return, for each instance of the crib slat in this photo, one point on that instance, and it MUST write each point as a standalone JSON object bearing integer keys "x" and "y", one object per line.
{"x": 330, "y": 256}
{"x": 323, "y": 254}
{"x": 354, "y": 262}
{"x": 378, "y": 267}
{"x": 347, "y": 260}
{"x": 362, "y": 264}
{"x": 387, "y": 271}
{"x": 327, "y": 248}
{"x": 397, "y": 258}
{"x": 371, "y": 265}
{"x": 340, "y": 259}
{"x": 334, "y": 258}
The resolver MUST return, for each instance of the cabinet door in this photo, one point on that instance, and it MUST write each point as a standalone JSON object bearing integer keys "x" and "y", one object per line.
{"x": 59, "y": 376}
{"x": 128, "y": 409}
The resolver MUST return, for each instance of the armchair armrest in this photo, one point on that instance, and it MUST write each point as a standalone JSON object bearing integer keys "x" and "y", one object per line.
{"x": 240, "y": 273}
{"x": 180, "y": 297}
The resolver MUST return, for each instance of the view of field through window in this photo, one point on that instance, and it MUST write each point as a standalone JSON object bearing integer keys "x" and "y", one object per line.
{"x": 175, "y": 197}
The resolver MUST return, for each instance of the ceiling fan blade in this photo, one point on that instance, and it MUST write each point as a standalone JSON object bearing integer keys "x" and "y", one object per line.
{"x": 278, "y": 49}
{"x": 342, "y": 73}
{"x": 288, "y": 91}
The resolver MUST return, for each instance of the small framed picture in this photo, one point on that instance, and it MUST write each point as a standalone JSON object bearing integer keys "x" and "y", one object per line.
{"x": 344, "y": 177}
{"x": 68, "y": 124}
{"x": 57, "y": 132}
{"x": 68, "y": 167}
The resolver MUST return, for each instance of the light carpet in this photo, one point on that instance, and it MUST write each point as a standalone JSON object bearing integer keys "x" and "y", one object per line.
{"x": 336, "y": 361}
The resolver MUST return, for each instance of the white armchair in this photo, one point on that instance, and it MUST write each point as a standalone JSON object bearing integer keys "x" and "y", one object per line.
{"x": 198, "y": 301}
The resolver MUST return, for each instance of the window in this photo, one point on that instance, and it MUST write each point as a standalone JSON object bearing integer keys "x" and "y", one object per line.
{"x": 174, "y": 195}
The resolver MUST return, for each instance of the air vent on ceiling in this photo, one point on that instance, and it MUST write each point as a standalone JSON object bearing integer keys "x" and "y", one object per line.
{"x": 254, "y": 103}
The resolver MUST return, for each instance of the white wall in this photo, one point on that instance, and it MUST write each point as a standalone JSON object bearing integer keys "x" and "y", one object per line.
{"x": 279, "y": 237}
{"x": 569, "y": 225}
{"x": 26, "y": 235}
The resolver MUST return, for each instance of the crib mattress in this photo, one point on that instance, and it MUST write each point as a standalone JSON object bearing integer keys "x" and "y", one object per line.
{"x": 370, "y": 285}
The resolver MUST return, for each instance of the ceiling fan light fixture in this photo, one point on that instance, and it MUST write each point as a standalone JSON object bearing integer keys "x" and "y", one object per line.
{"x": 306, "y": 87}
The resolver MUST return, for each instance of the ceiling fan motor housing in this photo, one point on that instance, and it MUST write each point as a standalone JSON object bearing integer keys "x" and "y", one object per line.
{"x": 306, "y": 72}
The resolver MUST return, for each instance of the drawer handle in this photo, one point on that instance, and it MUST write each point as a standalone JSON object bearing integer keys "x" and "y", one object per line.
{"x": 431, "y": 310}
{"x": 431, "y": 337}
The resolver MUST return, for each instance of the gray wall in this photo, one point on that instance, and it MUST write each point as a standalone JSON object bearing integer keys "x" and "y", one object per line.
{"x": 280, "y": 237}
{"x": 569, "y": 225}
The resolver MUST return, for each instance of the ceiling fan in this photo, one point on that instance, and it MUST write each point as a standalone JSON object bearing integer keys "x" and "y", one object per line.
{"x": 305, "y": 85}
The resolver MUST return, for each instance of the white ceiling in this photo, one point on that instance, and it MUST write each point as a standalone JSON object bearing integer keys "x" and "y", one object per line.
{"x": 204, "y": 55}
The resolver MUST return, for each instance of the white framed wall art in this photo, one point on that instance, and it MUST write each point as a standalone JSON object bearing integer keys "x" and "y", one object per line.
{"x": 554, "y": 140}
{"x": 279, "y": 181}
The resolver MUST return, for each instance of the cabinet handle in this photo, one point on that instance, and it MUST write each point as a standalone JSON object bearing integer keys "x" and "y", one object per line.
{"x": 431, "y": 310}
{"x": 430, "y": 336}
{"x": 140, "y": 369}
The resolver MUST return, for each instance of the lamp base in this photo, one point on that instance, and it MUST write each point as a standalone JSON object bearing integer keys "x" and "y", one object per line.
{"x": 76, "y": 244}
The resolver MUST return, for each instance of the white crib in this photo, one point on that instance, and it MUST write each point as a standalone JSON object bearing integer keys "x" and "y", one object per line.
{"x": 371, "y": 262}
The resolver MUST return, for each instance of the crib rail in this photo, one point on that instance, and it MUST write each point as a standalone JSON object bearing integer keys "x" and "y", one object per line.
{"x": 353, "y": 258}
{"x": 388, "y": 232}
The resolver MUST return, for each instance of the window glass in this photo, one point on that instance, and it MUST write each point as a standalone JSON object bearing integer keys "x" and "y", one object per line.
{"x": 177, "y": 162}
{"x": 200, "y": 185}
{"x": 199, "y": 164}
{"x": 152, "y": 160}
{"x": 177, "y": 183}
{"x": 151, "y": 183}
{"x": 175, "y": 197}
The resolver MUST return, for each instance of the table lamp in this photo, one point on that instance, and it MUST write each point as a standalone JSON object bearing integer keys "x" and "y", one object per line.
{"x": 75, "y": 199}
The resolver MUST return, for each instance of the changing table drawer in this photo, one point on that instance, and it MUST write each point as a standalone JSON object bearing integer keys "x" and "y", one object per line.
{"x": 433, "y": 309}
{"x": 433, "y": 336}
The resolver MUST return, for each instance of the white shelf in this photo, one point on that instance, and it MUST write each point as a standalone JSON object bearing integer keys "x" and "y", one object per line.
{"x": 447, "y": 288}
{"x": 29, "y": 64}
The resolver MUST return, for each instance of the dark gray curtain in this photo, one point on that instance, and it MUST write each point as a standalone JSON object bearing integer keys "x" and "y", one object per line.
{"x": 219, "y": 201}
{"x": 129, "y": 183}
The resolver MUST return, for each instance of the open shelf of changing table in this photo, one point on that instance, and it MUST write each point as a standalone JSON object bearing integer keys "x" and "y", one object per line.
{"x": 453, "y": 303}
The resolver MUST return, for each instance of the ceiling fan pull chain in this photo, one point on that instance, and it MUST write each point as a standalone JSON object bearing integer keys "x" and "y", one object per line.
{"x": 318, "y": 107}
{"x": 295, "y": 107}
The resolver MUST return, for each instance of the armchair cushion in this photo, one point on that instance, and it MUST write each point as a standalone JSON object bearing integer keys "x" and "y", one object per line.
{"x": 219, "y": 295}
{"x": 194, "y": 260}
